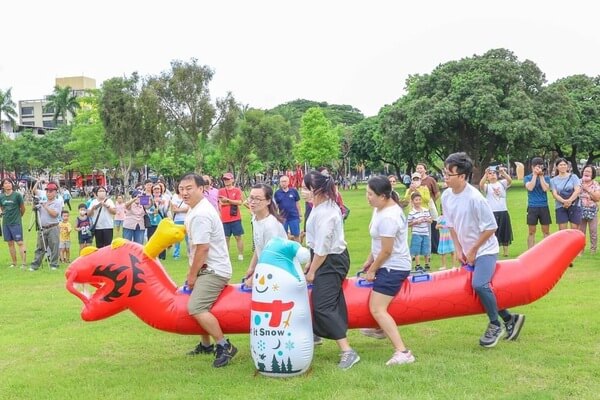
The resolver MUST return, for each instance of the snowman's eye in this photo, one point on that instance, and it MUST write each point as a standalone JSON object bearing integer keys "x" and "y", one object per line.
{"x": 269, "y": 276}
{"x": 256, "y": 276}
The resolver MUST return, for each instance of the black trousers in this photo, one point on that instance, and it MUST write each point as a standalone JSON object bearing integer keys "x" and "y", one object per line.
{"x": 330, "y": 315}
{"x": 103, "y": 237}
{"x": 435, "y": 238}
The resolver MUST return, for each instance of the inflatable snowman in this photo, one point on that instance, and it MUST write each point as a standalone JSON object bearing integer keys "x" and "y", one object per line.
{"x": 281, "y": 337}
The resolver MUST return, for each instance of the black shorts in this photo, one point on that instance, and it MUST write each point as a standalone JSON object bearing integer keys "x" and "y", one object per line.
{"x": 389, "y": 281}
{"x": 538, "y": 214}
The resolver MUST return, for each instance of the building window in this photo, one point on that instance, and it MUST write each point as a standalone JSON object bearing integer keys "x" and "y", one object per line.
{"x": 49, "y": 124}
{"x": 28, "y": 123}
{"x": 26, "y": 110}
{"x": 48, "y": 110}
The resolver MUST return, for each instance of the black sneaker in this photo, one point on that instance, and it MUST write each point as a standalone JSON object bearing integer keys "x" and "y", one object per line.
{"x": 202, "y": 349}
{"x": 513, "y": 327}
{"x": 427, "y": 267}
{"x": 224, "y": 354}
{"x": 492, "y": 335}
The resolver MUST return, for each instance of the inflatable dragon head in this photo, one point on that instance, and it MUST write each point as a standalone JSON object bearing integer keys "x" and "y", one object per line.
{"x": 120, "y": 272}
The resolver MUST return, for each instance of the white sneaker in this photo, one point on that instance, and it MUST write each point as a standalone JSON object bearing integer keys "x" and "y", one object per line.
{"x": 400, "y": 357}
{"x": 240, "y": 257}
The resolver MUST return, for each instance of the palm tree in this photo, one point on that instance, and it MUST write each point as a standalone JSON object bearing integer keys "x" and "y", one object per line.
{"x": 63, "y": 101}
{"x": 7, "y": 106}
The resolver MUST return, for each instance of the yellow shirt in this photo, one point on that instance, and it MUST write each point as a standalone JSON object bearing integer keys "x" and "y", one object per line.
{"x": 65, "y": 231}
{"x": 425, "y": 195}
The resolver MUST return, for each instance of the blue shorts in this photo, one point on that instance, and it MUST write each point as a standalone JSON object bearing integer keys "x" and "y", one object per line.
{"x": 12, "y": 233}
{"x": 118, "y": 223}
{"x": 233, "y": 228}
{"x": 389, "y": 281}
{"x": 292, "y": 226}
{"x": 571, "y": 214}
{"x": 420, "y": 245}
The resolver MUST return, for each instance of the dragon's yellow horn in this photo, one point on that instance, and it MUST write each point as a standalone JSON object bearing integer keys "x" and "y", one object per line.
{"x": 167, "y": 234}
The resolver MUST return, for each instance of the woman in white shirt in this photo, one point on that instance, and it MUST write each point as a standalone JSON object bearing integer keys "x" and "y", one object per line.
{"x": 329, "y": 266}
{"x": 494, "y": 190}
{"x": 102, "y": 210}
{"x": 389, "y": 262}
{"x": 266, "y": 223}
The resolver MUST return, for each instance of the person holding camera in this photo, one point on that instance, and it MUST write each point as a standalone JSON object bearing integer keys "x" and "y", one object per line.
{"x": 49, "y": 233}
{"x": 12, "y": 208}
{"x": 230, "y": 199}
{"x": 537, "y": 184}
{"x": 102, "y": 210}
{"x": 134, "y": 228}
{"x": 566, "y": 187}
{"x": 494, "y": 184}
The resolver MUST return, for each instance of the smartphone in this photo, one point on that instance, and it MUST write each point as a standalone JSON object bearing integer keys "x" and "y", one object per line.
{"x": 145, "y": 200}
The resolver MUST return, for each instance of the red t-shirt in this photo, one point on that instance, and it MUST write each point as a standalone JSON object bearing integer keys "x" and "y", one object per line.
{"x": 233, "y": 194}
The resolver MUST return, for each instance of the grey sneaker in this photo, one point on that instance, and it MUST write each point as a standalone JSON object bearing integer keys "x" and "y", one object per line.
{"x": 373, "y": 333}
{"x": 317, "y": 340}
{"x": 513, "y": 327}
{"x": 348, "y": 359}
{"x": 492, "y": 335}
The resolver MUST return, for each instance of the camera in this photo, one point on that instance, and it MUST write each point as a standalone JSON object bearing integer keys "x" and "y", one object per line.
{"x": 493, "y": 168}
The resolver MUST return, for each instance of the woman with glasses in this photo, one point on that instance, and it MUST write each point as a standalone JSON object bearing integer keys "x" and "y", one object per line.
{"x": 266, "y": 223}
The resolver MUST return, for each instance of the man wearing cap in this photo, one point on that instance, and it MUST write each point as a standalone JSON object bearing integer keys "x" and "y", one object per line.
{"x": 48, "y": 235}
{"x": 230, "y": 200}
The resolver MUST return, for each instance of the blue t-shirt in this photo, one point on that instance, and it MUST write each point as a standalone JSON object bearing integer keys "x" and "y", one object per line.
{"x": 537, "y": 197}
{"x": 286, "y": 201}
{"x": 565, "y": 187}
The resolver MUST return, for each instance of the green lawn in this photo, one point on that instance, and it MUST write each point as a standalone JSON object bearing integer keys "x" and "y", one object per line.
{"x": 48, "y": 352}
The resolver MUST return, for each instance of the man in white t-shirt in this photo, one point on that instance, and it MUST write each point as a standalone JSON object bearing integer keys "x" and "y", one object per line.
{"x": 472, "y": 226}
{"x": 210, "y": 267}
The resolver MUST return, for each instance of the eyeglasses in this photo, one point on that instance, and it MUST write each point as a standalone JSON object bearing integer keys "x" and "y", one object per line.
{"x": 254, "y": 199}
{"x": 392, "y": 181}
{"x": 416, "y": 179}
{"x": 446, "y": 173}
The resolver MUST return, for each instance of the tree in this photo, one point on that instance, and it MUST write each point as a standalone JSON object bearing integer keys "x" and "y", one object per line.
{"x": 479, "y": 105}
{"x": 63, "y": 101}
{"x": 570, "y": 110}
{"x": 185, "y": 104}
{"x": 88, "y": 141}
{"x": 128, "y": 115}
{"x": 7, "y": 106}
{"x": 319, "y": 142}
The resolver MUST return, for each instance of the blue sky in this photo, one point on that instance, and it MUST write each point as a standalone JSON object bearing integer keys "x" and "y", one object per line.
{"x": 271, "y": 52}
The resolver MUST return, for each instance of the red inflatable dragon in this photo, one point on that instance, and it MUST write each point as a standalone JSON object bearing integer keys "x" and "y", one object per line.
{"x": 128, "y": 276}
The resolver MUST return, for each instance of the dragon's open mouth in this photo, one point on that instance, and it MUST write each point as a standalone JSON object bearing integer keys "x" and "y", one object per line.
{"x": 84, "y": 291}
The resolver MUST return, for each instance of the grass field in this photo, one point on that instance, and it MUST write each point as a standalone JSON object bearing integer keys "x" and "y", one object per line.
{"x": 48, "y": 352}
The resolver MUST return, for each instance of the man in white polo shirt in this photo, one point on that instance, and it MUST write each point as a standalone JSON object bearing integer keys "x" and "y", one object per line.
{"x": 210, "y": 267}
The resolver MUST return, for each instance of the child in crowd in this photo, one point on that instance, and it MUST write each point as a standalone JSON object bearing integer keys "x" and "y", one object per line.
{"x": 119, "y": 215}
{"x": 419, "y": 220}
{"x": 84, "y": 224}
{"x": 64, "y": 243}
{"x": 445, "y": 245}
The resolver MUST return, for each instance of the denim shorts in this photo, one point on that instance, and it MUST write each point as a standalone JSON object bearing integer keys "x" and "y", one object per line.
{"x": 571, "y": 214}
{"x": 389, "y": 281}
{"x": 292, "y": 226}
{"x": 420, "y": 245}
{"x": 234, "y": 228}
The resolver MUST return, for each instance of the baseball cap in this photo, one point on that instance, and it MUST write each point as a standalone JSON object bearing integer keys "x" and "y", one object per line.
{"x": 415, "y": 175}
{"x": 51, "y": 186}
{"x": 227, "y": 175}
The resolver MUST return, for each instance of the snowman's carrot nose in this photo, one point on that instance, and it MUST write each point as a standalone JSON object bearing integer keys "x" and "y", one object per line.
{"x": 261, "y": 281}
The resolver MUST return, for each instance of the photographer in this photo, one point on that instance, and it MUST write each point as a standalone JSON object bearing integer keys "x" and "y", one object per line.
{"x": 134, "y": 227}
{"x": 102, "y": 211}
{"x": 48, "y": 213}
{"x": 493, "y": 185}
{"x": 537, "y": 184}
{"x": 12, "y": 207}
